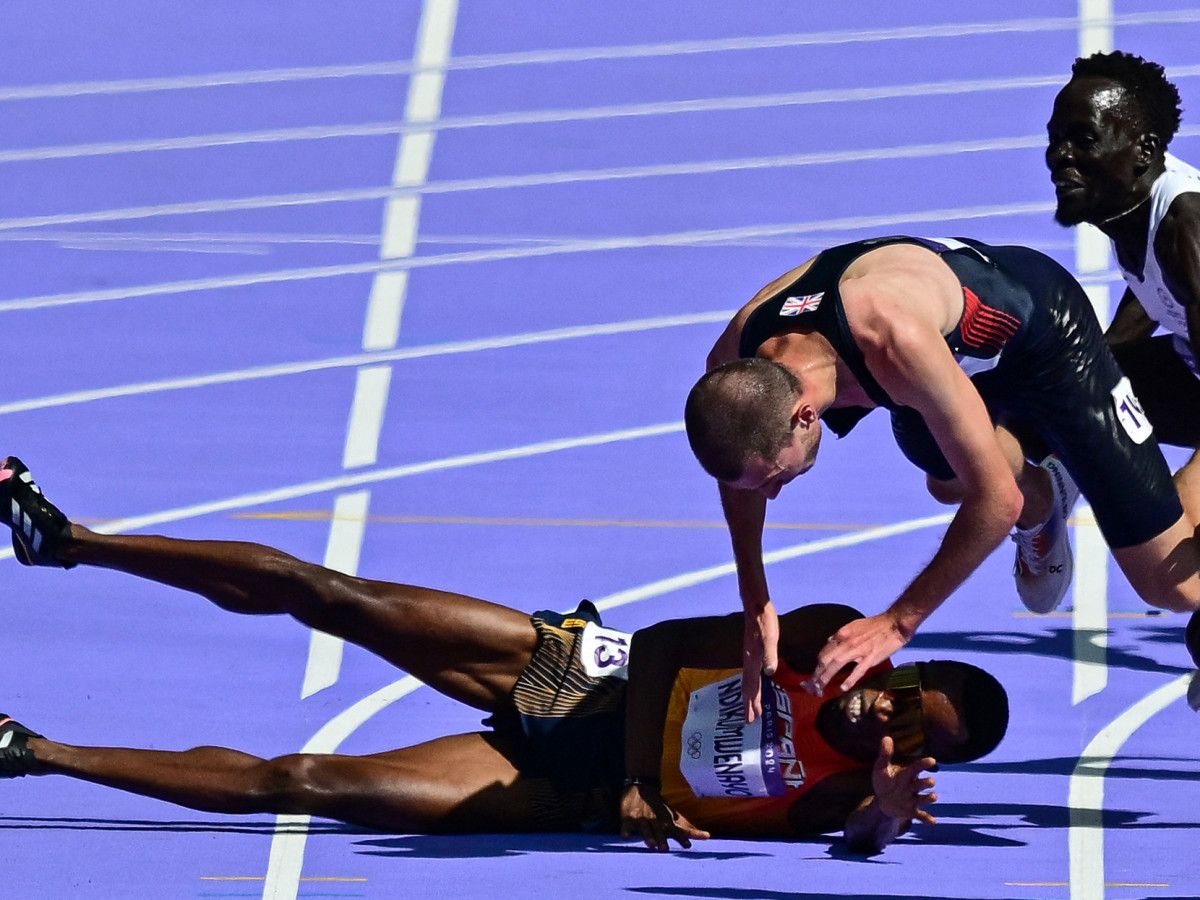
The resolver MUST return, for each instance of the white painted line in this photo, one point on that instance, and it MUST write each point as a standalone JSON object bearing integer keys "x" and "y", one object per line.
{"x": 400, "y": 227}
{"x": 1086, "y": 837}
{"x": 342, "y": 555}
{"x": 366, "y": 416}
{"x": 1095, "y": 27}
{"x": 286, "y": 858}
{"x": 1091, "y": 564}
{"x": 385, "y": 306}
{"x": 409, "y": 178}
{"x": 500, "y": 182}
{"x": 690, "y": 579}
{"x": 412, "y": 163}
{"x": 1086, "y": 798}
{"x": 705, "y": 237}
{"x": 1089, "y": 621}
{"x": 399, "y": 238}
{"x": 531, "y": 117}
{"x": 392, "y": 473}
{"x": 341, "y": 362}
{"x": 585, "y": 54}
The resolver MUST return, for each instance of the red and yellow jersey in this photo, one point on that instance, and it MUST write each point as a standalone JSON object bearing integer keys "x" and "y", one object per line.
{"x": 739, "y": 778}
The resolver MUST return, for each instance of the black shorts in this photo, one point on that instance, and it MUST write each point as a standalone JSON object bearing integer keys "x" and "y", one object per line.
{"x": 568, "y": 728}
{"x": 1168, "y": 389}
{"x": 1060, "y": 385}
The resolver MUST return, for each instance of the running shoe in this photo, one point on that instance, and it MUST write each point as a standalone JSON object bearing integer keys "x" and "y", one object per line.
{"x": 1044, "y": 563}
{"x": 38, "y": 528}
{"x": 16, "y": 759}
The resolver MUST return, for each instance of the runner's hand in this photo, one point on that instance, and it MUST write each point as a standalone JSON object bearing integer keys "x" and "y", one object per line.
{"x": 760, "y": 654}
{"x": 645, "y": 814}
{"x": 899, "y": 789}
{"x": 863, "y": 643}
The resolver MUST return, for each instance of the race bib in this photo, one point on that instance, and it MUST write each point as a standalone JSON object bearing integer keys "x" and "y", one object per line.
{"x": 1129, "y": 412}
{"x": 604, "y": 652}
{"x": 723, "y": 755}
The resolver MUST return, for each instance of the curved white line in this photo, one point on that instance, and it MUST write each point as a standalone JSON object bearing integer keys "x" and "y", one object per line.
{"x": 690, "y": 579}
{"x": 1086, "y": 796}
{"x": 290, "y": 836}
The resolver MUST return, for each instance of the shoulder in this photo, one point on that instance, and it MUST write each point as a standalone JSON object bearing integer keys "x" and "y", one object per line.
{"x": 804, "y": 631}
{"x": 728, "y": 345}
{"x": 1177, "y": 242}
{"x": 900, "y": 290}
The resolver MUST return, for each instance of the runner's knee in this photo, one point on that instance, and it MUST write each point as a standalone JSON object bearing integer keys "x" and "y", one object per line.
{"x": 946, "y": 492}
{"x": 286, "y": 784}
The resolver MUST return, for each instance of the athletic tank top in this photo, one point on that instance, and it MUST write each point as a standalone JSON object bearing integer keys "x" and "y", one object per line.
{"x": 720, "y": 772}
{"x": 1150, "y": 289}
{"x": 996, "y": 311}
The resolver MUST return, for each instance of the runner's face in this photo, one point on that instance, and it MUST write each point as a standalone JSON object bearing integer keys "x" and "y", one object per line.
{"x": 856, "y": 722}
{"x": 1092, "y": 151}
{"x": 768, "y": 477}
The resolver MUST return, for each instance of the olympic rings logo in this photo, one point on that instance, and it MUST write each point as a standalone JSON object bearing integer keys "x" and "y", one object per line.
{"x": 694, "y": 745}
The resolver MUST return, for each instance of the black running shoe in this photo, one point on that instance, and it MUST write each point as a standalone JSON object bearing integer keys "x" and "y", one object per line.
{"x": 16, "y": 759}
{"x": 38, "y": 528}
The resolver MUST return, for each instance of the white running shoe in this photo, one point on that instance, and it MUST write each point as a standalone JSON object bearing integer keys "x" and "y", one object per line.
{"x": 1044, "y": 563}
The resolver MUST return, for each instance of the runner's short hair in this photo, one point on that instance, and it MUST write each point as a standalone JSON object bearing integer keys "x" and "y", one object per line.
{"x": 1146, "y": 82}
{"x": 738, "y": 412}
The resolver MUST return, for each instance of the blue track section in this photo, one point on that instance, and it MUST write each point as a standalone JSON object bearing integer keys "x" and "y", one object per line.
{"x": 199, "y": 204}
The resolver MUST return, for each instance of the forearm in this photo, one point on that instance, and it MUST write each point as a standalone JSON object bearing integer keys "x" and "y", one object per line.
{"x": 869, "y": 829}
{"x": 976, "y": 530}
{"x": 651, "y": 675}
{"x": 1130, "y": 321}
{"x": 745, "y": 514}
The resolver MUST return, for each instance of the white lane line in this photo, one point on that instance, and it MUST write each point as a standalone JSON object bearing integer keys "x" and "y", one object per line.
{"x": 690, "y": 579}
{"x": 542, "y": 179}
{"x": 1086, "y": 798}
{"x": 706, "y": 237}
{"x": 1089, "y": 621}
{"x": 1090, "y": 618}
{"x": 286, "y": 858}
{"x": 360, "y": 359}
{"x": 545, "y": 116}
{"x": 366, "y": 416}
{"x": 1090, "y": 668}
{"x": 406, "y": 184}
{"x": 359, "y": 479}
{"x": 531, "y": 117}
{"x": 342, "y": 554}
{"x": 585, "y": 54}
{"x": 435, "y": 33}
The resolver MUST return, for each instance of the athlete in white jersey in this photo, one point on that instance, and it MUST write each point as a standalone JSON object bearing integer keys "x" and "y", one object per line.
{"x": 1150, "y": 284}
{"x": 1107, "y": 154}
